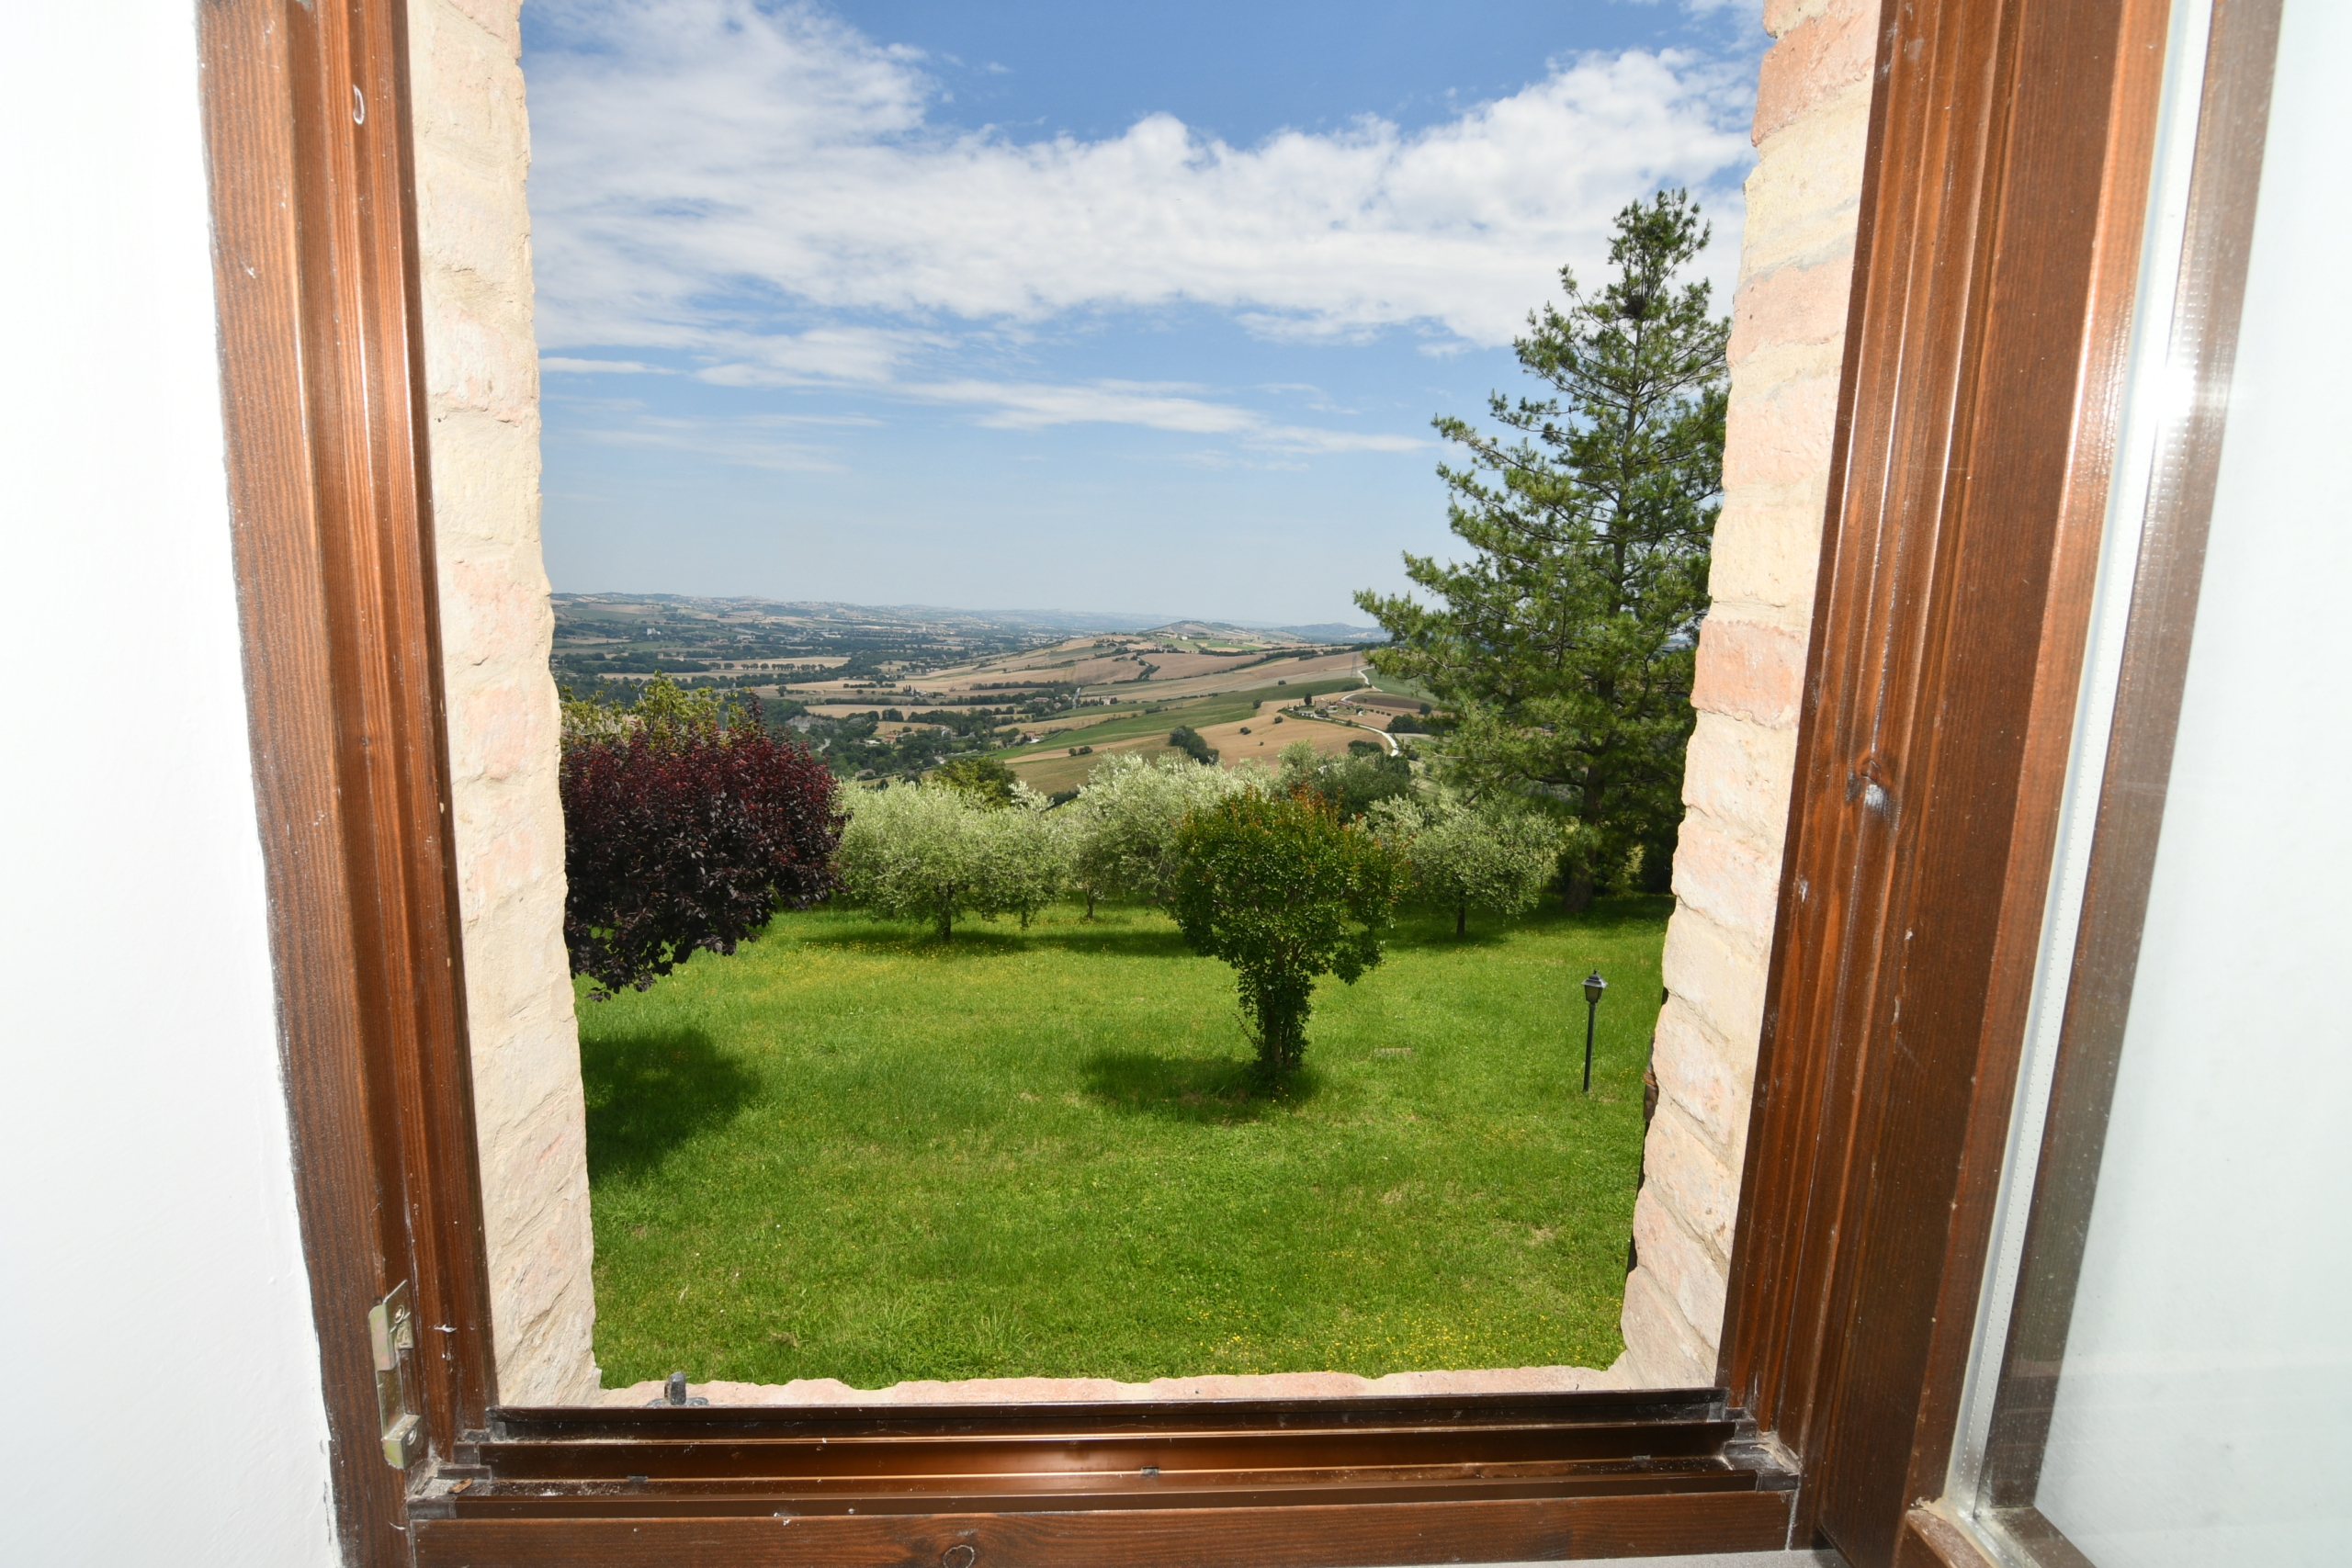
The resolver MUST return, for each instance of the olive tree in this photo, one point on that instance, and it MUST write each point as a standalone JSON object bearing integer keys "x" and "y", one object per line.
{"x": 1279, "y": 888}
{"x": 1493, "y": 855}
{"x": 934, "y": 853}
{"x": 1025, "y": 855}
{"x": 912, "y": 853}
{"x": 1123, "y": 825}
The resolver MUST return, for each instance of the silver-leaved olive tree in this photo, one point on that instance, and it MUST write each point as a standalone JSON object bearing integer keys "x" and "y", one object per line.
{"x": 1493, "y": 855}
{"x": 1123, "y": 823}
{"x": 934, "y": 853}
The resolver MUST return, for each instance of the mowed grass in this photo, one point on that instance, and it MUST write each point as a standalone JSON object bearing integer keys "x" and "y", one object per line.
{"x": 852, "y": 1151}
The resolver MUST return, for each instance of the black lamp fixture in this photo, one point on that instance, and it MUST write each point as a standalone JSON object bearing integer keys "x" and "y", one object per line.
{"x": 1593, "y": 986}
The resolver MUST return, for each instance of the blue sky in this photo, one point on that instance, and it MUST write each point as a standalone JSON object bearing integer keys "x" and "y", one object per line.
{"x": 1070, "y": 306}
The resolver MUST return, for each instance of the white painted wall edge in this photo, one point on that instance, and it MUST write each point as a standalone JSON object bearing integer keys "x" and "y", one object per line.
{"x": 154, "y": 1300}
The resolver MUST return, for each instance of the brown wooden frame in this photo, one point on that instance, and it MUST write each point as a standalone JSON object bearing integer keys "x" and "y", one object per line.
{"x": 306, "y": 126}
{"x": 2008, "y": 169}
{"x": 2004, "y": 211}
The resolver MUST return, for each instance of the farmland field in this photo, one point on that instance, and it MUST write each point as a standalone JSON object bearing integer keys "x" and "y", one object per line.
{"x": 1049, "y": 766}
{"x": 854, "y": 1152}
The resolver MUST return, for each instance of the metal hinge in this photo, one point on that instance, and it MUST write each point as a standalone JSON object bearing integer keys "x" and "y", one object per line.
{"x": 392, "y": 1334}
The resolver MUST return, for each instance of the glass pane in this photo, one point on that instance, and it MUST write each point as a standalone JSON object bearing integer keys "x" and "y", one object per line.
{"x": 2159, "y": 1386}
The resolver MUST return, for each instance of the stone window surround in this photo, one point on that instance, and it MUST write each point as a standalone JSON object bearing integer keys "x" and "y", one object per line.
{"x": 472, "y": 158}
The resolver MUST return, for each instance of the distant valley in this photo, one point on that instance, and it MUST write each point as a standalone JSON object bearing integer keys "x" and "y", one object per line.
{"x": 891, "y": 690}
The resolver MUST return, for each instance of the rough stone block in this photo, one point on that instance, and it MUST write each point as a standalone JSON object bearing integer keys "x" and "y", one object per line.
{"x": 1804, "y": 193}
{"x": 486, "y": 473}
{"x": 1768, "y": 553}
{"x": 1699, "y": 1074}
{"x": 1731, "y": 883}
{"x": 1717, "y": 977}
{"x": 1692, "y": 1181}
{"x": 481, "y": 259}
{"x": 477, "y": 362}
{"x": 1691, "y": 1277}
{"x": 476, "y": 43}
{"x": 1662, "y": 1350}
{"x": 1748, "y": 670}
{"x": 1779, "y": 435}
{"x": 1781, "y": 16}
{"x": 1819, "y": 56}
{"x": 1737, "y": 775}
{"x": 501, "y": 19}
{"x": 1792, "y": 304}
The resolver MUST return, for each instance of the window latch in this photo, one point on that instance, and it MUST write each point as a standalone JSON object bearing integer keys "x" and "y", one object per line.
{"x": 391, "y": 1336}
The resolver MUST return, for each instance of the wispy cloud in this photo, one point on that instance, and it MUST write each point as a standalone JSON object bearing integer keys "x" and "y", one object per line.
{"x": 873, "y": 354}
{"x": 1016, "y": 405}
{"x": 1028, "y": 405}
{"x": 742, "y": 443}
{"x": 1304, "y": 438}
{"x": 600, "y": 367}
{"x": 751, "y": 440}
{"x": 730, "y": 180}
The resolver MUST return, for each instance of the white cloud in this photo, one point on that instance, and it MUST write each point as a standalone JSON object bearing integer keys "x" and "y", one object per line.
{"x": 710, "y": 172}
{"x": 735, "y": 442}
{"x": 1032, "y": 405}
{"x": 1301, "y": 438}
{"x": 819, "y": 354}
{"x": 748, "y": 440}
{"x": 1028, "y": 405}
{"x": 595, "y": 366}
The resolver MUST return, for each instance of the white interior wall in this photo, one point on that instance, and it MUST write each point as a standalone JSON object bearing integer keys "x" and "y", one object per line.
{"x": 164, "y": 1400}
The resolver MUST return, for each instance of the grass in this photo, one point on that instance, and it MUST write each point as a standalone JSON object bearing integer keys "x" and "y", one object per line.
{"x": 1397, "y": 685}
{"x": 853, "y": 1152}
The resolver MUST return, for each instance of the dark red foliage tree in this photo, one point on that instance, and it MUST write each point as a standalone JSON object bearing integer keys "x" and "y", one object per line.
{"x": 680, "y": 836}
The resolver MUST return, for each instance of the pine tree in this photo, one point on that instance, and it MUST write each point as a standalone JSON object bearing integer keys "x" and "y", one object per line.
{"x": 1563, "y": 644}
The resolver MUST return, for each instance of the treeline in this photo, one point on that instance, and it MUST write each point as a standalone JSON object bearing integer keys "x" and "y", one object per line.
{"x": 1287, "y": 874}
{"x": 690, "y": 822}
{"x": 625, "y": 694}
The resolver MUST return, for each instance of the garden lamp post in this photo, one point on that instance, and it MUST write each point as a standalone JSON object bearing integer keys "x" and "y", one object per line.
{"x": 1593, "y": 986}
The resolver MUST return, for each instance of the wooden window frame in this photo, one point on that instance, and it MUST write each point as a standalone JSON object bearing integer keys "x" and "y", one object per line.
{"x": 2002, "y": 209}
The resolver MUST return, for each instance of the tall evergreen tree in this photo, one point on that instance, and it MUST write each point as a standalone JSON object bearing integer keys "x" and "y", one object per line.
{"x": 1564, "y": 643}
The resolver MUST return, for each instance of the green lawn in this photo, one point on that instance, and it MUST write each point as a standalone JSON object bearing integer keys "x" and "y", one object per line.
{"x": 850, "y": 1151}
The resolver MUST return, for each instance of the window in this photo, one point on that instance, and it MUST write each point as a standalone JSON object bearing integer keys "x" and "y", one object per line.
{"x": 2009, "y": 148}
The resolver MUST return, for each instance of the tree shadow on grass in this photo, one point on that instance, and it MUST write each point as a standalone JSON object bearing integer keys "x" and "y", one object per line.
{"x": 1437, "y": 934}
{"x": 651, "y": 1090}
{"x": 1610, "y": 912}
{"x": 1203, "y": 1090}
{"x": 1609, "y": 915}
